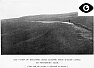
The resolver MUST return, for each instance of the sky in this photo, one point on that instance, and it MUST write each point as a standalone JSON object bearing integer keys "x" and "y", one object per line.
{"x": 19, "y": 8}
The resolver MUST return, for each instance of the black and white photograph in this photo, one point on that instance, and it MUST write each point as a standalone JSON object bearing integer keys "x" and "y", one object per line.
{"x": 42, "y": 27}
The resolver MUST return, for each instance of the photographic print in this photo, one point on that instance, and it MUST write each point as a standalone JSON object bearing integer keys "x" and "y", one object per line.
{"x": 63, "y": 33}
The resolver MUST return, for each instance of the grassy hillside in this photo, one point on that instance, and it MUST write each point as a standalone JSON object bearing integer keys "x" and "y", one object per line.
{"x": 25, "y": 22}
{"x": 27, "y": 36}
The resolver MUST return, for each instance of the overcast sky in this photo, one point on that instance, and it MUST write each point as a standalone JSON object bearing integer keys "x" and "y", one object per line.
{"x": 18, "y": 8}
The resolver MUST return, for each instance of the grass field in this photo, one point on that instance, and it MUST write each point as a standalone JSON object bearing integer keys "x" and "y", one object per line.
{"x": 47, "y": 34}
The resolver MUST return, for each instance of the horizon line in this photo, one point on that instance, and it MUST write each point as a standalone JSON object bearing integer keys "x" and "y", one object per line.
{"x": 37, "y": 15}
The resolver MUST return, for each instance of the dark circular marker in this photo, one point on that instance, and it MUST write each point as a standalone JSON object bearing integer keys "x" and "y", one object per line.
{"x": 86, "y": 7}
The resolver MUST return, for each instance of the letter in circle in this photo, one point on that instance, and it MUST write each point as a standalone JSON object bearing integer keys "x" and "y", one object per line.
{"x": 86, "y": 7}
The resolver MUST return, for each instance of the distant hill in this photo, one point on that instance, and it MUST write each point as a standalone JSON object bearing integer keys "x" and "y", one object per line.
{"x": 17, "y": 23}
{"x": 26, "y": 35}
